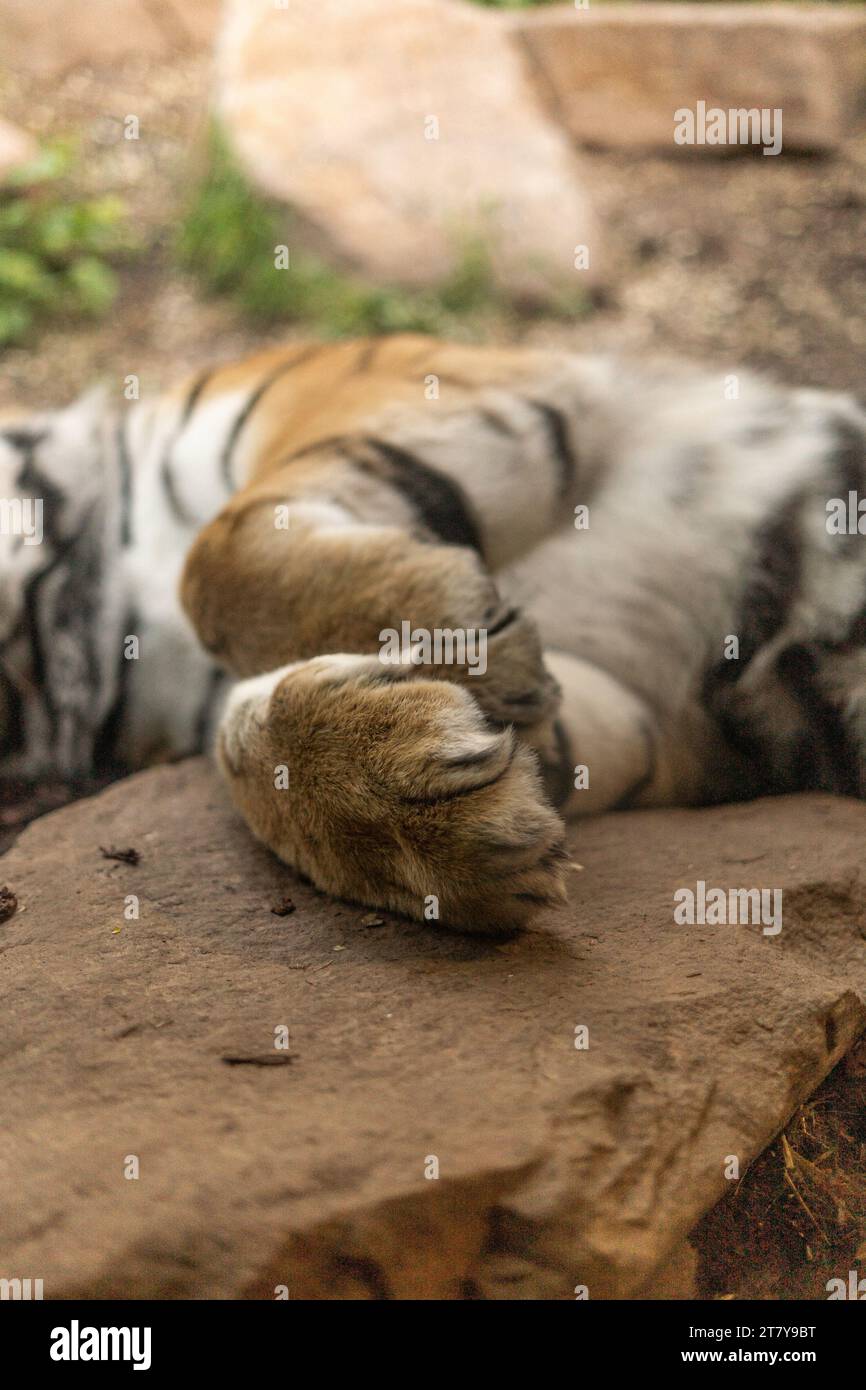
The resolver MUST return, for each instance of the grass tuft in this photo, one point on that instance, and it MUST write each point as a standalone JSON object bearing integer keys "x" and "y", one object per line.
{"x": 228, "y": 240}
{"x": 55, "y": 249}
{"x": 797, "y": 1217}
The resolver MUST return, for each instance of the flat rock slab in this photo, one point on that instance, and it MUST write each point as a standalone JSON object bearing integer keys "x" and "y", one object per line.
{"x": 615, "y": 74}
{"x": 148, "y": 1046}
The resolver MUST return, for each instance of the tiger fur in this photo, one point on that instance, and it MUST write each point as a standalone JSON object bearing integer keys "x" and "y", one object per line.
{"x": 608, "y": 525}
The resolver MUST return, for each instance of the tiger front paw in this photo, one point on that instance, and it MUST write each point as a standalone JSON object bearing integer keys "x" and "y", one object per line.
{"x": 391, "y": 790}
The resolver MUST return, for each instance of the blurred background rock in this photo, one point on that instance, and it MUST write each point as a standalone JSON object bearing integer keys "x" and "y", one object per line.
{"x": 718, "y": 254}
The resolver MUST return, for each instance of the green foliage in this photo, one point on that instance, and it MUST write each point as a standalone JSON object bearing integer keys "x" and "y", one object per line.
{"x": 54, "y": 247}
{"x": 227, "y": 240}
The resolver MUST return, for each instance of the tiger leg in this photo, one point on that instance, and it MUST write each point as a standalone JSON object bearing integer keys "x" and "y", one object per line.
{"x": 260, "y": 597}
{"x": 608, "y": 749}
{"x": 390, "y": 784}
{"x": 393, "y": 790}
{"x": 599, "y": 751}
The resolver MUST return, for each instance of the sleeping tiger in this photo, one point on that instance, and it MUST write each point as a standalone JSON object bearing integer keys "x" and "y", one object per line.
{"x": 667, "y": 616}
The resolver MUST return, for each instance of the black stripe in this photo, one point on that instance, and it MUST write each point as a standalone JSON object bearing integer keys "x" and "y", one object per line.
{"x": 33, "y": 632}
{"x": 496, "y": 422}
{"x": 73, "y": 608}
{"x": 105, "y": 756}
{"x": 178, "y": 509}
{"x": 559, "y": 440}
{"x": 31, "y": 480}
{"x": 194, "y": 395}
{"x": 437, "y": 500}
{"x": 508, "y": 617}
{"x": 13, "y": 736}
{"x": 246, "y": 411}
{"x": 24, "y": 440}
{"x": 828, "y": 758}
{"x": 856, "y": 634}
{"x": 558, "y": 776}
{"x": 769, "y": 594}
{"x": 773, "y": 585}
{"x": 203, "y": 719}
{"x": 847, "y": 456}
{"x": 76, "y": 612}
{"x": 76, "y": 563}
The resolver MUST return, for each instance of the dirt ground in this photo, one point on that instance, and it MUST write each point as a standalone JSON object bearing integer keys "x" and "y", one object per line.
{"x": 746, "y": 259}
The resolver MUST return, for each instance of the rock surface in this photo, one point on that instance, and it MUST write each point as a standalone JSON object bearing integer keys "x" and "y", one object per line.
{"x": 305, "y": 1167}
{"x": 402, "y": 130}
{"x": 615, "y": 74}
{"x": 55, "y": 36}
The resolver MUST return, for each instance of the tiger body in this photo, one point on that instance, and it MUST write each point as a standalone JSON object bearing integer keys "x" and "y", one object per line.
{"x": 668, "y": 618}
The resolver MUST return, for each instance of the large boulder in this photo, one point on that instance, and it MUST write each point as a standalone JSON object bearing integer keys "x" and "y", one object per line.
{"x": 148, "y": 1046}
{"x": 615, "y": 74}
{"x": 404, "y": 130}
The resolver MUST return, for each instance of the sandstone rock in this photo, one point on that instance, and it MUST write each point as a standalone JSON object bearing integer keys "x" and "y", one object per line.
{"x": 402, "y": 130}
{"x": 615, "y": 74}
{"x": 17, "y": 148}
{"x": 149, "y": 1038}
{"x": 198, "y": 19}
{"x": 54, "y": 36}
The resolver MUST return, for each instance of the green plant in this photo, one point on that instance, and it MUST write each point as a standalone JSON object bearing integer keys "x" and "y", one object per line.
{"x": 228, "y": 238}
{"x": 54, "y": 248}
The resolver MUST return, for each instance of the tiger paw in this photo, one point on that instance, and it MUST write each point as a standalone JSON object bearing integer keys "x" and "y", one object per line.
{"x": 393, "y": 791}
{"x": 499, "y": 662}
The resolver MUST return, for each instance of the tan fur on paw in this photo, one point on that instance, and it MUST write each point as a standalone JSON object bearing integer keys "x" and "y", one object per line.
{"x": 393, "y": 791}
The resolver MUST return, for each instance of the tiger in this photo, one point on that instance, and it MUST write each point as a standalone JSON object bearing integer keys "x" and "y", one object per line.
{"x": 642, "y": 549}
